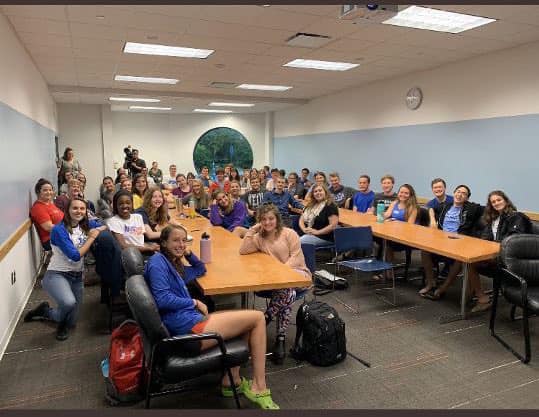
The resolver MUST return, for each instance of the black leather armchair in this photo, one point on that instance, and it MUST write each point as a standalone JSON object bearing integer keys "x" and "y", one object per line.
{"x": 519, "y": 282}
{"x": 173, "y": 361}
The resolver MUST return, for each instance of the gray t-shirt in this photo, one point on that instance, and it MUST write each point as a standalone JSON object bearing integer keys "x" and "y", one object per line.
{"x": 382, "y": 198}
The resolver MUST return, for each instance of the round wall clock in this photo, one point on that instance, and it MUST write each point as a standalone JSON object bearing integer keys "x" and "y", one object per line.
{"x": 414, "y": 97}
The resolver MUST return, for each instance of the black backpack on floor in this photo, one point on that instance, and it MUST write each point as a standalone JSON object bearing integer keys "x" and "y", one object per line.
{"x": 322, "y": 334}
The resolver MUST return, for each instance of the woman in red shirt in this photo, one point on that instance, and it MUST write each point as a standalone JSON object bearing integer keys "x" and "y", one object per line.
{"x": 44, "y": 212}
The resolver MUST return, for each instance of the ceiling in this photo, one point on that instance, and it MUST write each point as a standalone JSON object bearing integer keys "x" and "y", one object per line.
{"x": 78, "y": 49}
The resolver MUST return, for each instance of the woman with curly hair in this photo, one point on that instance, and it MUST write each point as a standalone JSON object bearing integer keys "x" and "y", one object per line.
{"x": 154, "y": 213}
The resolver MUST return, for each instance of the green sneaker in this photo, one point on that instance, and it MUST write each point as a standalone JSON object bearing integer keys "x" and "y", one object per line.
{"x": 262, "y": 399}
{"x": 227, "y": 391}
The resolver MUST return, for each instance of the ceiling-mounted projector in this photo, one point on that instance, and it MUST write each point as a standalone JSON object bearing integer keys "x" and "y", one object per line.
{"x": 374, "y": 13}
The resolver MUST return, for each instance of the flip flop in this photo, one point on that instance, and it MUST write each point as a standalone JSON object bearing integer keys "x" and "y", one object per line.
{"x": 434, "y": 295}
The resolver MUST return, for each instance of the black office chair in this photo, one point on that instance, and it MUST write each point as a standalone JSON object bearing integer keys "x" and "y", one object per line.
{"x": 174, "y": 361}
{"x": 519, "y": 283}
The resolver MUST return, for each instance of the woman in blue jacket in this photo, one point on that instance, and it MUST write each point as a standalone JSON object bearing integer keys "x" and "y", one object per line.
{"x": 70, "y": 240}
{"x": 167, "y": 277}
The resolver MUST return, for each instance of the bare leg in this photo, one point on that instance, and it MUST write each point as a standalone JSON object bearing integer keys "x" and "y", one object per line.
{"x": 451, "y": 277}
{"x": 475, "y": 284}
{"x": 426, "y": 261}
{"x": 230, "y": 324}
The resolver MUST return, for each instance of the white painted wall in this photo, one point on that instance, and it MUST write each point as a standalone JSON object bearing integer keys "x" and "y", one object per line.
{"x": 98, "y": 137}
{"x": 22, "y": 88}
{"x": 498, "y": 84}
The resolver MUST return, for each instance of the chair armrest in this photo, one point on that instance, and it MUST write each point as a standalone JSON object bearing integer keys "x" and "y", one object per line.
{"x": 522, "y": 282}
{"x": 180, "y": 341}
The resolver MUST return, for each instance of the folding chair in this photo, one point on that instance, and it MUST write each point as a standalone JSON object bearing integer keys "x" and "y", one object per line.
{"x": 360, "y": 239}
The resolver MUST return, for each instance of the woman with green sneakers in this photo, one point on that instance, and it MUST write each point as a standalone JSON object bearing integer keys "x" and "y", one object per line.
{"x": 167, "y": 277}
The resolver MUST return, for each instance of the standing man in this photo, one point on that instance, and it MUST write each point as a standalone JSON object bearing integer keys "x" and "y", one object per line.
{"x": 341, "y": 195}
{"x": 386, "y": 196}
{"x": 440, "y": 197}
{"x": 365, "y": 196}
{"x": 136, "y": 165}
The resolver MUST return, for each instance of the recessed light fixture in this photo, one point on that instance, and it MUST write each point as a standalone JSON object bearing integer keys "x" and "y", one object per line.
{"x": 438, "y": 20}
{"x": 211, "y": 111}
{"x": 100, "y": 17}
{"x": 218, "y": 104}
{"x": 264, "y": 87}
{"x": 149, "y": 108}
{"x": 151, "y": 80}
{"x": 134, "y": 99}
{"x": 155, "y": 49}
{"x": 320, "y": 65}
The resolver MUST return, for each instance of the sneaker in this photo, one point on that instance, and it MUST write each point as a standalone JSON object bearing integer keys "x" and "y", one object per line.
{"x": 227, "y": 391}
{"x": 279, "y": 350}
{"x": 62, "y": 333}
{"x": 38, "y": 313}
{"x": 262, "y": 399}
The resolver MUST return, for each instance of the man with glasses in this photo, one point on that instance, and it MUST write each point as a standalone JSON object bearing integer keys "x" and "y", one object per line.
{"x": 461, "y": 217}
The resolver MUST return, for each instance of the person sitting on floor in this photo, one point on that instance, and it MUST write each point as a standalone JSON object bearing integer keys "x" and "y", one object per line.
{"x": 270, "y": 236}
{"x": 44, "y": 213}
{"x": 70, "y": 241}
{"x": 462, "y": 217}
{"x": 228, "y": 213}
{"x": 500, "y": 219}
{"x": 320, "y": 218}
{"x": 154, "y": 214}
{"x": 167, "y": 276}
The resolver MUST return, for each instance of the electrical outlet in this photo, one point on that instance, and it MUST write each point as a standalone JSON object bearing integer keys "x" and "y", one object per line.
{"x": 14, "y": 277}
{"x": 12, "y": 282}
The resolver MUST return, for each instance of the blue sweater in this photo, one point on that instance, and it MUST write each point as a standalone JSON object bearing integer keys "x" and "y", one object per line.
{"x": 229, "y": 221}
{"x": 168, "y": 288}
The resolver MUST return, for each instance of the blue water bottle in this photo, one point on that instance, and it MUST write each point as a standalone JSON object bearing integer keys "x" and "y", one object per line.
{"x": 380, "y": 208}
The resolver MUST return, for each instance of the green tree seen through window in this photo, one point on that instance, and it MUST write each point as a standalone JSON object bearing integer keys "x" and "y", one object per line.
{"x": 220, "y": 146}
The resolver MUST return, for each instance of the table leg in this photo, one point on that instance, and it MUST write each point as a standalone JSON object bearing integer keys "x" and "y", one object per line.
{"x": 463, "y": 315}
{"x": 244, "y": 300}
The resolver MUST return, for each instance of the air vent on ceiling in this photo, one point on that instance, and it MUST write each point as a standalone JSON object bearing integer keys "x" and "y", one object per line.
{"x": 222, "y": 84}
{"x": 308, "y": 40}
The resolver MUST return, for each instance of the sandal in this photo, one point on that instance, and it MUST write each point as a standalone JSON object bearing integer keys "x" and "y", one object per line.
{"x": 434, "y": 295}
{"x": 262, "y": 399}
{"x": 479, "y": 307}
{"x": 426, "y": 290}
{"x": 226, "y": 391}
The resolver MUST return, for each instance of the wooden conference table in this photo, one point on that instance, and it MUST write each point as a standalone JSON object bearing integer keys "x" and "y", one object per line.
{"x": 232, "y": 273}
{"x": 465, "y": 249}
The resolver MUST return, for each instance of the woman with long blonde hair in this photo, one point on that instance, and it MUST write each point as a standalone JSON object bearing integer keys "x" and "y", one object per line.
{"x": 154, "y": 213}
{"x": 320, "y": 217}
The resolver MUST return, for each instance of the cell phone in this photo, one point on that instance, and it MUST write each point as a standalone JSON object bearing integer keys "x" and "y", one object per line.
{"x": 453, "y": 237}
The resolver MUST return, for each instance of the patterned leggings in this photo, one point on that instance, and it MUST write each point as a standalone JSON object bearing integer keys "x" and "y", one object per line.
{"x": 280, "y": 307}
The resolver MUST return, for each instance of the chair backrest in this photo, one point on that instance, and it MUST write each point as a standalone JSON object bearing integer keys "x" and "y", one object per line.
{"x": 145, "y": 312}
{"x": 520, "y": 254}
{"x": 132, "y": 261}
{"x": 535, "y": 228}
{"x": 353, "y": 238}
{"x": 309, "y": 253}
{"x": 423, "y": 218}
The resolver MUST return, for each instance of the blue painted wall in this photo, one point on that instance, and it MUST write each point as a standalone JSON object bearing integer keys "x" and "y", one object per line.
{"x": 26, "y": 154}
{"x": 486, "y": 154}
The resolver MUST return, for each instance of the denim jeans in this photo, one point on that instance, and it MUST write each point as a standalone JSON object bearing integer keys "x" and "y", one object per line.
{"x": 314, "y": 240}
{"x": 66, "y": 289}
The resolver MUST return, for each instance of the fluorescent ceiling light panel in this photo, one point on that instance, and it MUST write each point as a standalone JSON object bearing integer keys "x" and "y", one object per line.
{"x": 149, "y": 108}
{"x": 151, "y": 80}
{"x": 141, "y": 100}
{"x": 217, "y": 104}
{"x": 438, "y": 20}
{"x": 164, "y": 50}
{"x": 320, "y": 65}
{"x": 264, "y": 87}
{"x": 211, "y": 111}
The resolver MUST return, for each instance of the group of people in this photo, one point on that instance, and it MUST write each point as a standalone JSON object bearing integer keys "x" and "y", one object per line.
{"x": 267, "y": 210}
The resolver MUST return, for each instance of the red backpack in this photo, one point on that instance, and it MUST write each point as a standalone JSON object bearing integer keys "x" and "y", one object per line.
{"x": 126, "y": 373}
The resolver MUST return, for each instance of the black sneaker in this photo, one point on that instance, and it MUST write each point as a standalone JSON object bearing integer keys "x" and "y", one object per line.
{"x": 62, "y": 333}
{"x": 279, "y": 350}
{"x": 38, "y": 313}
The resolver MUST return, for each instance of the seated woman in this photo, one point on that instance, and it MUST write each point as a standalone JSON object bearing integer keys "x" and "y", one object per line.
{"x": 140, "y": 188}
{"x": 183, "y": 189}
{"x": 228, "y": 213}
{"x": 167, "y": 277}
{"x": 70, "y": 240}
{"x": 404, "y": 208}
{"x": 190, "y": 178}
{"x": 128, "y": 230}
{"x": 44, "y": 212}
{"x": 500, "y": 219}
{"x": 154, "y": 214}
{"x": 269, "y": 236}
{"x": 320, "y": 179}
{"x": 320, "y": 218}
{"x": 127, "y": 185}
{"x": 199, "y": 196}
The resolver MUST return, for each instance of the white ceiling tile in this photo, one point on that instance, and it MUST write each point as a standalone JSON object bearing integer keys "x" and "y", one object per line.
{"x": 147, "y": 21}
{"x": 153, "y": 36}
{"x": 52, "y": 12}
{"x": 350, "y": 45}
{"x": 283, "y": 19}
{"x": 286, "y": 51}
{"x": 56, "y": 41}
{"x": 329, "y": 26}
{"x": 36, "y": 25}
{"x": 189, "y": 11}
{"x": 113, "y": 15}
{"x": 96, "y": 31}
{"x": 106, "y": 45}
{"x": 375, "y": 32}
{"x": 317, "y": 10}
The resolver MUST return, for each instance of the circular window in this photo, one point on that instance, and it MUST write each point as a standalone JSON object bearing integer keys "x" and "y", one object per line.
{"x": 220, "y": 146}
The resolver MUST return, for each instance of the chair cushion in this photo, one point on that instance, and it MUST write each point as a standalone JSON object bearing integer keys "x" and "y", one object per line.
{"x": 512, "y": 294}
{"x": 367, "y": 265}
{"x": 173, "y": 368}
